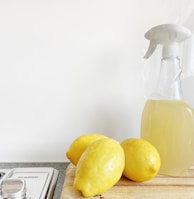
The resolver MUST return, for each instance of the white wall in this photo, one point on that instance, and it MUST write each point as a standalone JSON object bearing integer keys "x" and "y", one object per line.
{"x": 69, "y": 67}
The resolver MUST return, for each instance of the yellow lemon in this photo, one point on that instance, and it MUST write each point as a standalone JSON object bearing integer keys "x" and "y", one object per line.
{"x": 142, "y": 160}
{"x": 79, "y": 145}
{"x": 100, "y": 167}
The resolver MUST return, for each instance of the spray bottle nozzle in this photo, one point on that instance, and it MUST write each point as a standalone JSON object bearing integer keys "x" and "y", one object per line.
{"x": 167, "y": 35}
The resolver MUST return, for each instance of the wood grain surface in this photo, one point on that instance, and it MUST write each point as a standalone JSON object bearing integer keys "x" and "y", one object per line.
{"x": 160, "y": 187}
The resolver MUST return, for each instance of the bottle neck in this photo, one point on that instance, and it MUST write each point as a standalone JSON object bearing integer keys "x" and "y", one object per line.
{"x": 168, "y": 87}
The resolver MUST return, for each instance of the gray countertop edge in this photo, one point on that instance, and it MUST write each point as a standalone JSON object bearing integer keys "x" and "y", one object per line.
{"x": 60, "y": 166}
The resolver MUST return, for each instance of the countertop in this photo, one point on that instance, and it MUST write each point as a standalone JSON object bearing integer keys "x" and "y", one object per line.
{"x": 61, "y": 167}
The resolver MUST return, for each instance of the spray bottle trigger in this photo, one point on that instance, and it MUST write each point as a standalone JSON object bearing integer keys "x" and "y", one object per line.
{"x": 151, "y": 49}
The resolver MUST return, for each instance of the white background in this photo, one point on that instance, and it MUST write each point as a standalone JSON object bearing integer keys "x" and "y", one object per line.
{"x": 70, "y": 67}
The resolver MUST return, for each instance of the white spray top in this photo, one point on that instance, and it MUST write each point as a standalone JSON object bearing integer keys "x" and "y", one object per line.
{"x": 167, "y": 35}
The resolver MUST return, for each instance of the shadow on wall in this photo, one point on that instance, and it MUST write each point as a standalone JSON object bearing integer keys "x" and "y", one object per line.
{"x": 111, "y": 120}
{"x": 104, "y": 100}
{"x": 187, "y": 87}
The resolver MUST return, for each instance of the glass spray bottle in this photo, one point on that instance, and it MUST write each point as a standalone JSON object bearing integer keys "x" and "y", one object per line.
{"x": 167, "y": 120}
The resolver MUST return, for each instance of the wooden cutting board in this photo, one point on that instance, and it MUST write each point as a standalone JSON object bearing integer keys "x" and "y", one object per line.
{"x": 161, "y": 187}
